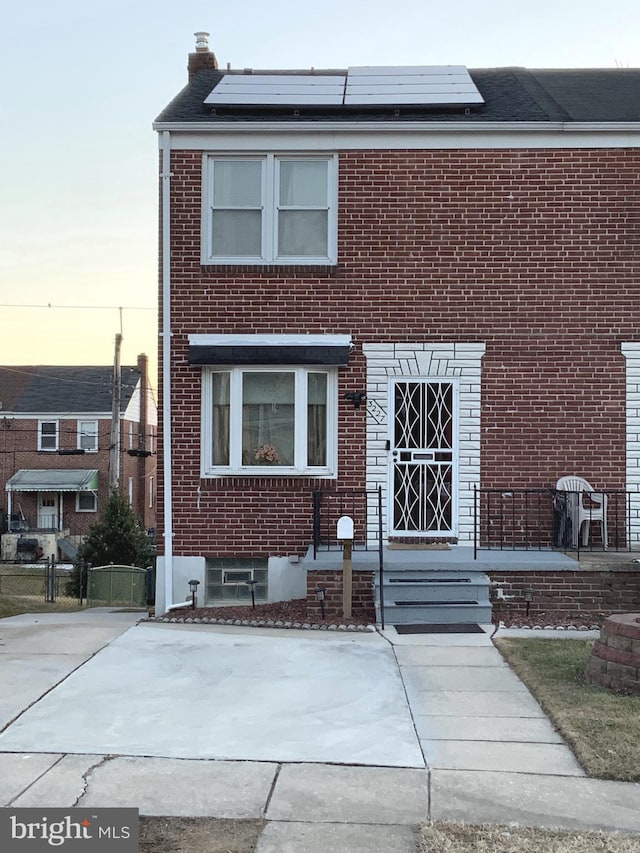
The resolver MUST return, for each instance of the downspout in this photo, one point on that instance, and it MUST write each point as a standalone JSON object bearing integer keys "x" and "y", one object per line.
{"x": 166, "y": 368}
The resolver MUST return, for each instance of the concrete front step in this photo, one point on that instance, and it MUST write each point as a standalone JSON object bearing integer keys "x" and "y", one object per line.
{"x": 440, "y": 614}
{"x": 433, "y": 596}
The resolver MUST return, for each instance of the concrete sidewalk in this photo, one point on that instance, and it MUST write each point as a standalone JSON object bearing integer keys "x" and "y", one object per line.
{"x": 341, "y": 741}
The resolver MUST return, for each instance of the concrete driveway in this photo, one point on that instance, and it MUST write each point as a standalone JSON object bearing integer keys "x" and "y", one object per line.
{"x": 216, "y": 692}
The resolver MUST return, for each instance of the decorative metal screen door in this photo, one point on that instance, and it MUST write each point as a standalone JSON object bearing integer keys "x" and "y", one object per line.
{"x": 423, "y": 479}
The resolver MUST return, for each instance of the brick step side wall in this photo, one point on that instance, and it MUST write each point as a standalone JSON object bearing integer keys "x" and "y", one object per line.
{"x": 557, "y": 597}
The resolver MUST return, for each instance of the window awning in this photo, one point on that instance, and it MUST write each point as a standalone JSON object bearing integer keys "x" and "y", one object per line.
{"x": 65, "y": 480}
{"x": 327, "y": 350}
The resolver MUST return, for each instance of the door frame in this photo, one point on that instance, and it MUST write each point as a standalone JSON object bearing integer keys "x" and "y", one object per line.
{"x": 55, "y": 514}
{"x": 455, "y": 453}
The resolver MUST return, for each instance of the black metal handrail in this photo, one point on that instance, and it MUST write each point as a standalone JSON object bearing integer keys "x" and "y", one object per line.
{"x": 364, "y": 506}
{"x": 543, "y": 519}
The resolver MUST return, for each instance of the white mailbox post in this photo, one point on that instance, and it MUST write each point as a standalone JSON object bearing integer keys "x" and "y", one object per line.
{"x": 345, "y": 535}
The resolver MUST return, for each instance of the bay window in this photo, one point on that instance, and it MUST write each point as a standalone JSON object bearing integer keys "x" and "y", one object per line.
{"x": 275, "y": 420}
{"x": 269, "y": 209}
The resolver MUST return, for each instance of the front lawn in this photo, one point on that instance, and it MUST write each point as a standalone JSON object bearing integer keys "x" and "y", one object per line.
{"x": 602, "y": 728}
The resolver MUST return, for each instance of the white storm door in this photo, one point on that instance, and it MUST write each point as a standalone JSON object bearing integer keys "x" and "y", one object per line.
{"x": 423, "y": 460}
{"x": 47, "y": 510}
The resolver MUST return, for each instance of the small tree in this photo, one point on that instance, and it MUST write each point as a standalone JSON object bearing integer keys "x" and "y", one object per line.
{"x": 117, "y": 538}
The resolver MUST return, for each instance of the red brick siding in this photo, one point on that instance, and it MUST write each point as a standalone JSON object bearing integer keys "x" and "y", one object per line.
{"x": 18, "y": 449}
{"x": 563, "y": 598}
{"x": 531, "y": 251}
{"x": 361, "y": 599}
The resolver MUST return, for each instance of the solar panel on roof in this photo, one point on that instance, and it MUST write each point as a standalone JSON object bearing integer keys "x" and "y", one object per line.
{"x": 417, "y": 85}
{"x": 272, "y": 89}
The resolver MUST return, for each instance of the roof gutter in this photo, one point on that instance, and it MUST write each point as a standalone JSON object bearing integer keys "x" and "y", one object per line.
{"x": 301, "y": 126}
{"x": 166, "y": 368}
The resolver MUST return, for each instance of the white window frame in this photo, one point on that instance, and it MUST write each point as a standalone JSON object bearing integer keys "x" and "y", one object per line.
{"x": 270, "y": 207}
{"x": 235, "y": 467}
{"x": 55, "y": 436}
{"x": 86, "y": 509}
{"x": 82, "y": 432}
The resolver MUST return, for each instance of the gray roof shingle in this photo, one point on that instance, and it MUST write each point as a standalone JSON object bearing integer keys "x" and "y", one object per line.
{"x": 48, "y": 389}
{"x": 510, "y": 94}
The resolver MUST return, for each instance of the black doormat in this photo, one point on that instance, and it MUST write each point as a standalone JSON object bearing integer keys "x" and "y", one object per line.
{"x": 462, "y": 628}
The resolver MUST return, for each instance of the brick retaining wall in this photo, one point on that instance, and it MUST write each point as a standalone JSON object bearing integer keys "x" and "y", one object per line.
{"x": 575, "y": 597}
{"x": 615, "y": 658}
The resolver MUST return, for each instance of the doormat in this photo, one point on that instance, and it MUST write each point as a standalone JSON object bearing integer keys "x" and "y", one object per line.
{"x": 462, "y": 628}
{"x": 419, "y": 546}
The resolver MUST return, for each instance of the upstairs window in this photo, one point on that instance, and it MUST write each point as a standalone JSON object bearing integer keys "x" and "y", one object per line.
{"x": 48, "y": 435}
{"x": 88, "y": 436}
{"x": 270, "y": 209}
{"x": 261, "y": 422}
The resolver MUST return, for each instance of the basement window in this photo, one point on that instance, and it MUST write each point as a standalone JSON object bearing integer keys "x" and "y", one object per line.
{"x": 226, "y": 580}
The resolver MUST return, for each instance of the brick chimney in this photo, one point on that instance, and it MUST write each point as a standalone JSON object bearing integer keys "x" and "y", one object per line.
{"x": 203, "y": 58}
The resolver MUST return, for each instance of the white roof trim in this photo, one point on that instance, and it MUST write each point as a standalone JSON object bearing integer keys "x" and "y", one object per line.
{"x": 269, "y": 340}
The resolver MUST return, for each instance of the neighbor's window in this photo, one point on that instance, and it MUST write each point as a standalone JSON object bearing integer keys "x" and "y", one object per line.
{"x": 269, "y": 421}
{"x": 270, "y": 209}
{"x": 47, "y": 435}
{"x": 86, "y": 502}
{"x": 88, "y": 436}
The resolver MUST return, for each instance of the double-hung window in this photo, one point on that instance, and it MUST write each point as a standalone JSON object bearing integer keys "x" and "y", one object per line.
{"x": 270, "y": 209}
{"x": 88, "y": 436}
{"x": 48, "y": 435}
{"x": 262, "y": 421}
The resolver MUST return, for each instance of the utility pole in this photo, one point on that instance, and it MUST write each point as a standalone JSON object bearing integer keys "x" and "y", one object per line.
{"x": 114, "y": 447}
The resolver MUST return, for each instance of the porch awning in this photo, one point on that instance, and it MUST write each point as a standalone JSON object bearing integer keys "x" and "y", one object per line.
{"x": 326, "y": 350}
{"x": 62, "y": 480}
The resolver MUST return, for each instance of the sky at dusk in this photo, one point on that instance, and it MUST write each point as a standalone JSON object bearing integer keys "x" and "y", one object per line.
{"x": 83, "y": 81}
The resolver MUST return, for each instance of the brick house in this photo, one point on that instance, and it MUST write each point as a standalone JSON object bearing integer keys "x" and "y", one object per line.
{"x": 58, "y": 454}
{"x": 418, "y": 280}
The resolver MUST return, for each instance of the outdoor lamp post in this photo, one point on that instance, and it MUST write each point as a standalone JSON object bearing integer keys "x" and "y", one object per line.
{"x": 193, "y": 589}
{"x": 320, "y": 596}
{"x": 251, "y": 584}
{"x": 528, "y": 597}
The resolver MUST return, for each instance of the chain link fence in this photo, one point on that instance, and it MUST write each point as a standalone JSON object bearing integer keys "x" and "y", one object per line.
{"x": 37, "y": 582}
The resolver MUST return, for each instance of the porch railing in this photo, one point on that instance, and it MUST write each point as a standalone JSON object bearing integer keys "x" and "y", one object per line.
{"x": 544, "y": 519}
{"x": 363, "y": 506}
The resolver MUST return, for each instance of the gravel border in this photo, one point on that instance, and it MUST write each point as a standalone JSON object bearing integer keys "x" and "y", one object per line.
{"x": 262, "y": 623}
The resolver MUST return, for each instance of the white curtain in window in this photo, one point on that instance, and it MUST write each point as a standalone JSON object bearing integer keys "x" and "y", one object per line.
{"x": 317, "y": 419}
{"x": 220, "y": 420}
{"x": 237, "y": 208}
{"x": 303, "y": 208}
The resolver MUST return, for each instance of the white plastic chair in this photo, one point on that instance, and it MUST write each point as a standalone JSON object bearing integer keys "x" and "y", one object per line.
{"x": 581, "y": 514}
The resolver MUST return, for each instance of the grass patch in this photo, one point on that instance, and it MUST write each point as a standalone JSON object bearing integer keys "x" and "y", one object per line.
{"x": 602, "y": 728}
{"x": 16, "y": 605}
{"x": 460, "y": 838}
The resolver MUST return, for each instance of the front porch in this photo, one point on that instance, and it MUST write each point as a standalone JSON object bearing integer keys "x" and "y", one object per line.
{"x": 446, "y": 584}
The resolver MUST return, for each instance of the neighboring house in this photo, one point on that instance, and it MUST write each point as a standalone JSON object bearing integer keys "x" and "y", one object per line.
{"x": 57, "y": 455}
{"x": 419, "y": 279}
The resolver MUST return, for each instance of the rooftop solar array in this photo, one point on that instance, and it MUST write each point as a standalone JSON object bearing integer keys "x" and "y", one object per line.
{"x": 274, "y": 89}
{"x": 422, "y": 85}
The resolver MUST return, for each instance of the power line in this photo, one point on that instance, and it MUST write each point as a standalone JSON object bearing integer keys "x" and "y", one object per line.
{"x": 82, "y": 307}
